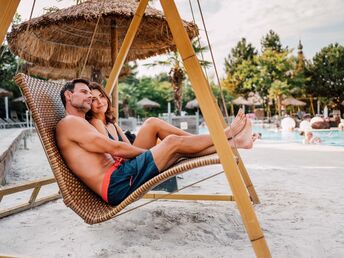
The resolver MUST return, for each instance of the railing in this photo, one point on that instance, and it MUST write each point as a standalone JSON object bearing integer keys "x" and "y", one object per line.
{"x": 33, "y": 201}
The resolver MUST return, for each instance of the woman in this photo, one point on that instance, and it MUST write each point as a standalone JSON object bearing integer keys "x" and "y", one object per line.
{"x": 101, "y": 116}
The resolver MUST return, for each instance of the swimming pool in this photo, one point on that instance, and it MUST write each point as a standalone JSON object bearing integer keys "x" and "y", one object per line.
{"x": 328, "y": 137}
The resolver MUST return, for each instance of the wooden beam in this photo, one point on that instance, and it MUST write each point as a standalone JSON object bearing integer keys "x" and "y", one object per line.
{"x": 26, "y": 206}
{"x": 26, "y": 186}
{"x": 7, "y": 10}
{"x": 36, "y": 185}
{"x": 245, "y": 176}
{"x": 215, "y": 125}
{"x": 123, "y": 52}
{"x": 193, "y": 197}
{"x": 34, "y": 194}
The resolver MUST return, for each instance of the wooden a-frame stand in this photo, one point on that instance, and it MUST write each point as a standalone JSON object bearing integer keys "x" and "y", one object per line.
{"x": 236, "y": 173}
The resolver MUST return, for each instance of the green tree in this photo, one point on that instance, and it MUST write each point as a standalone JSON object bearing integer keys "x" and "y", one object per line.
{"x": 240, "y": 68}
{"x": 177, "y": 73}
{"x": 327, "y": 74}
{"x": 155, "y": 88}
{"x": 271, "y": 41}
{"x": 8, "y": 68}
{"x": 241, "y": 52}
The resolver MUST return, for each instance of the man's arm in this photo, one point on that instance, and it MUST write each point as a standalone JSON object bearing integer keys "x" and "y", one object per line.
{"x": 78, "y": 130}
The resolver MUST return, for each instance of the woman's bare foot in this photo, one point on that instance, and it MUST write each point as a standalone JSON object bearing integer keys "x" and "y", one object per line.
{"x": 243, "y": 140}
{"x": 237, "y": 125}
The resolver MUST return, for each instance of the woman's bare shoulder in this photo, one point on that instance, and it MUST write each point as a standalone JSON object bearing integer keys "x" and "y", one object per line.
{"x": 96, "y": 121}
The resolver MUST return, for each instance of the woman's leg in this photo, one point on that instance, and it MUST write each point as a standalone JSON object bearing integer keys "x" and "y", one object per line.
{"x": 174, "y": 147}
{"x": 154, "y": 129}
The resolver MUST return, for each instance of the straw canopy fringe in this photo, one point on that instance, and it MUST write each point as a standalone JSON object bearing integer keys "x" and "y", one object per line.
{"x": 61, "y": 39}
{"x": 69, "y": 74}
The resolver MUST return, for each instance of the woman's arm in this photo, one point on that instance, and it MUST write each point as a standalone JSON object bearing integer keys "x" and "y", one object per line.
{"x": 119, "y": 129}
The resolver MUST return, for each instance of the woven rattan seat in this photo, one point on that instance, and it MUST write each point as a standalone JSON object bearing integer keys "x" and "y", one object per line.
{"x": 43, "y": 99}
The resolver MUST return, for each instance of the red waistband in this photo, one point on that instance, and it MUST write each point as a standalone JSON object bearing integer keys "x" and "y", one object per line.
{"x": 107, "y": 176}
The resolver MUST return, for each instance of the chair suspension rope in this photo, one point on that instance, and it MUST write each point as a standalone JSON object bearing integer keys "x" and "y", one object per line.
{"x": 198, "y": 40}
{"x": 26, "y": 31}
{"x": 215, "y": 67}
{"x": 32, "y": 9}
{"x": 165, "y": 195}
{"x": 93, "y": 36}
{"x": 213, "y": 60}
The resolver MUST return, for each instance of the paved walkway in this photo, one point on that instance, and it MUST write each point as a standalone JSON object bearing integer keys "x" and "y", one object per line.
{"x": 9, "y": 139}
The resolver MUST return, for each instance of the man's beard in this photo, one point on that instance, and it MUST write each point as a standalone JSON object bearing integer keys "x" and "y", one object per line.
{"x": 81, "y": 107}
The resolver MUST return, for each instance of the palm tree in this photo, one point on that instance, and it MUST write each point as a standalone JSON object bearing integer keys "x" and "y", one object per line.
{"x": 177, "y": 73}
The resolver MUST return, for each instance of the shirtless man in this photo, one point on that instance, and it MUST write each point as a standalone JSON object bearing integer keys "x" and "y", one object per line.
{"x": 114, "y": 169}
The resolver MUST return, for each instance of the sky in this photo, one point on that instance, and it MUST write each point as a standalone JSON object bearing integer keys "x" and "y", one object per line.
{"x": 317, "y": 23}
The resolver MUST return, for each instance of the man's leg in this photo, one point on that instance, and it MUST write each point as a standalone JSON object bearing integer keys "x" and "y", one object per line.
{"x": 174, "y": 147}
{"x": 154, "y": 129}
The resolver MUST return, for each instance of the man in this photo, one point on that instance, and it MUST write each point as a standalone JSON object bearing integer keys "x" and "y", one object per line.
{"x": 114, "y": 169}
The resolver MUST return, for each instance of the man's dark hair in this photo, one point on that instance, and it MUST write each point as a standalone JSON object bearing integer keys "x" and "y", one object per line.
{"x": 70, "y": 87}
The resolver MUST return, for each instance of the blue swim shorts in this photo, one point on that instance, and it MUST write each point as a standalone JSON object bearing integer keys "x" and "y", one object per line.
{"x": 129, "y": 176}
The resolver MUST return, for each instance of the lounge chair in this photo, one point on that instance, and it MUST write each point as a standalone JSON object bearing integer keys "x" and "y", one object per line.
{"x": 15, "y": 123}
{"x": 3, "y": 124}
{"x": 43, "y": 99}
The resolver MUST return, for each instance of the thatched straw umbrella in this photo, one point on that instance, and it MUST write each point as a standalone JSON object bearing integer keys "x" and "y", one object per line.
{"x": 5, "y": 93}
{"x": 147, "y": 103}
{"x": 192, "y": 104}
{"x": 241, "y": 101}
{"x": 61, "y": 39}
{"x": 292, "y": 102}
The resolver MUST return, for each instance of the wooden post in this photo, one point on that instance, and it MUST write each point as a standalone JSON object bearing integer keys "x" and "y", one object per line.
{"x": 123, "y": 52}
{"x": 215, "y": 125}
{"x": 7, "y": 10}
{"x": 114, "y": 54}
{"x": 312, "y": 106}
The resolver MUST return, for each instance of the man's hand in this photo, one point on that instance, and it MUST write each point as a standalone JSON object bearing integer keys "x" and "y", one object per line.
{"x": 78, "y": 130}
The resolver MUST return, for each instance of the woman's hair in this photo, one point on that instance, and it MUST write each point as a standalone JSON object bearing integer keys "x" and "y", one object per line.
{"x": 109, "y": 114}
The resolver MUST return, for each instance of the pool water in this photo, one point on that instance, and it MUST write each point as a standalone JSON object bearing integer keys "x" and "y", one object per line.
{"x": 328, "y": 137}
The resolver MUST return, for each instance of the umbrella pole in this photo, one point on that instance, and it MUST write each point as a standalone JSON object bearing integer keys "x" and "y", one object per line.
{"x": 114, "y": 54}
{"x": 6, "y": 107}
{"x": 128, "y": 40}
{"x": 312, "y": 107}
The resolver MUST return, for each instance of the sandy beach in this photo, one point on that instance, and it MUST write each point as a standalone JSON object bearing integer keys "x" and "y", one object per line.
{"x": 301, "y": 212}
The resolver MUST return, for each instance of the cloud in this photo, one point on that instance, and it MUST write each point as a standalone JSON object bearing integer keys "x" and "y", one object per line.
{"x": 315, "y": 22}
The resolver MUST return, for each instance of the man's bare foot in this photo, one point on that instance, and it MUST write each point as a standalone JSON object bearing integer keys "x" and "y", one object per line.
{"x": 243, "y": 140}
{"x": 237, "y": 125}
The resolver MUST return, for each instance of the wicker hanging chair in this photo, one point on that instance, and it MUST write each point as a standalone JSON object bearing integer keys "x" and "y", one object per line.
{"x": 43, "y": 99}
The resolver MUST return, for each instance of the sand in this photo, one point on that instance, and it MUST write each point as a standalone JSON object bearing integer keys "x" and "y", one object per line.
{"x": 301, "y": 212}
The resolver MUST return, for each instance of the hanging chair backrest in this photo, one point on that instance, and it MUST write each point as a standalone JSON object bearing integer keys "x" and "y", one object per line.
{"x": 43, "y": 99}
